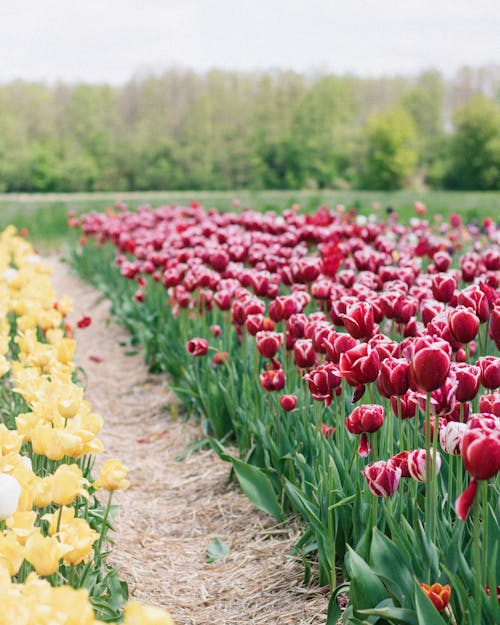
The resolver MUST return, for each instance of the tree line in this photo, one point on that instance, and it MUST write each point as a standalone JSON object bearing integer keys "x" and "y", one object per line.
{"x": 223, "y": 130}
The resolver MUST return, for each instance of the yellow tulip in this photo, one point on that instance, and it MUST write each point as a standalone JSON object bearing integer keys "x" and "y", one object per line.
{"x": 22, "y": 524}
{"x": 67, "y": 484}
{"x": 44, "y": 553}
{"x": 42, "y": 491}
{"x": 137, "y": 614}
{"x": 10, "y": 440}
{"x": 11, "y": 553}
{"x": 80, "y": 537}
{"x": 66, "y": 350}
{"x": 112, "y": 476}
{"x": 74, "y": 604}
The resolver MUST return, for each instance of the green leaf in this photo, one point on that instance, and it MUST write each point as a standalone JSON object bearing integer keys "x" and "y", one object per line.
{"x": 257, "y": 487}
{"x": 334, "y": 612}
{"x": 217, "y": 550}
{"x": 367, "y": 591}
{"x": 426, "y": 612}
{"x": 390, "y": 613}
{"x": 389, "y": 563}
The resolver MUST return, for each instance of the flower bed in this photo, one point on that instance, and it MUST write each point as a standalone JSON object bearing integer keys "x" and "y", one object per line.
{"x": 355, "y": 363}
{"x": 52, "y": 526}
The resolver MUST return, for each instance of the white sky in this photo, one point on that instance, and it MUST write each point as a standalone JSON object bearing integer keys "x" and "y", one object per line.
{"x": 110, "y": 40}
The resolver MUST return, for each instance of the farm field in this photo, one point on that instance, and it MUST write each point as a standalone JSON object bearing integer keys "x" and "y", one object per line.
{"x": 344, "y": 372}
{"x": 46, "y": 214}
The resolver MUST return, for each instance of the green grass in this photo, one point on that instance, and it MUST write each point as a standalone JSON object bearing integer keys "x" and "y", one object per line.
{"x": 45, "y": 215}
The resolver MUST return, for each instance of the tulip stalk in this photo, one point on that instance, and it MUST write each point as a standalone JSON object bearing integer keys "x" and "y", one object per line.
{"x": 476, "y": 558}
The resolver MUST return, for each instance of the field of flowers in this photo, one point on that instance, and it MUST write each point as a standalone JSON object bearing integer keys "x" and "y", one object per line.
{"x": 355, "y": 363}
{"x": 53, "y": 527}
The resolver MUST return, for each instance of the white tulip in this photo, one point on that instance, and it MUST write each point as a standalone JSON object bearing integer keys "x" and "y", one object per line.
{"x": 10, "y": 491}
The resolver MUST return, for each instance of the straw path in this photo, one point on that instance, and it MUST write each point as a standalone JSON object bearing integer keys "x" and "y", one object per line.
{"x": 174, "y": 509}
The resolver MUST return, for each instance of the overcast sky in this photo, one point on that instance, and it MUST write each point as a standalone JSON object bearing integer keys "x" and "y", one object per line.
{"x": 111, "y": 40}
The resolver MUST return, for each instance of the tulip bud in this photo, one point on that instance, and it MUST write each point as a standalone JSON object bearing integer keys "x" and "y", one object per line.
{"x": 382, "y": 478}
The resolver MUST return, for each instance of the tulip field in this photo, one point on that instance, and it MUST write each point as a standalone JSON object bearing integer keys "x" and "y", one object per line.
{"x": 346, "y": 367}
{"x": 53, "y": 524}
{"x": 354, "y": 363}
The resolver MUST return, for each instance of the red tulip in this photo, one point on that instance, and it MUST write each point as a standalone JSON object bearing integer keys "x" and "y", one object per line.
{"x": 490, "y": 371}
{"x": 430, "y": 360}
{"x": 268, "y": 343}
{"x": 393, "y": 378}
{"x": 468, "y": 378}
{"x": 365, "y": 418}
{"x": 442, "y": 261}
{"x": 359, "y": 365}
{"x": 463, "y": 324}
{"x": 338, "y": 343}
{"x": 323, "y": 381}
{"x": 490, "y": 403}
{"x": 288, "y": 402}
{"x": 197, "y": 346}
{"x": 254, "y": 324}
{"x": 443, "y": 287}
{"x": 382, "y": 478}
{"x": 473, "y": 297}
{"x": 304, "y": 355}
{"x": 272, "y": 379}
{"x": 358, "y": 320}
{"x": 327, "y": 430}
{"x": 480, "y": 447}
{"x": 494, "y": 329}
{"x": 400, "y": 461}
{"x": 409, "y": 405}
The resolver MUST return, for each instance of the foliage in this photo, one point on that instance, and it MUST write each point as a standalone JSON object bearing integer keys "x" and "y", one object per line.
{"x": 391, "y": 155}
{"x": 475, "y": 146}
{"x": 219, "y": 130}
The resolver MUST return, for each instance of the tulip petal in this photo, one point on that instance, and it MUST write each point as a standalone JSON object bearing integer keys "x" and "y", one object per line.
{"x": 364, "y": 446}
{"x": 464, "y": 503}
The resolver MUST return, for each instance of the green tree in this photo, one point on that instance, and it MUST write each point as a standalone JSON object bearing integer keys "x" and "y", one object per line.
{"x": 474, "y": 152}
{"x": 391, "y": 156}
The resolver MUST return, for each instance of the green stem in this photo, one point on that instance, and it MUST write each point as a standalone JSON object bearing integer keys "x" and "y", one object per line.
{"x": 476, "y": 547}
{"x": 104, "y": 522}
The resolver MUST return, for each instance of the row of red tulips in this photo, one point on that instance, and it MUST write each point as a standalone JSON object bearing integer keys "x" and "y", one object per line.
{"x": 341, "y": 309}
